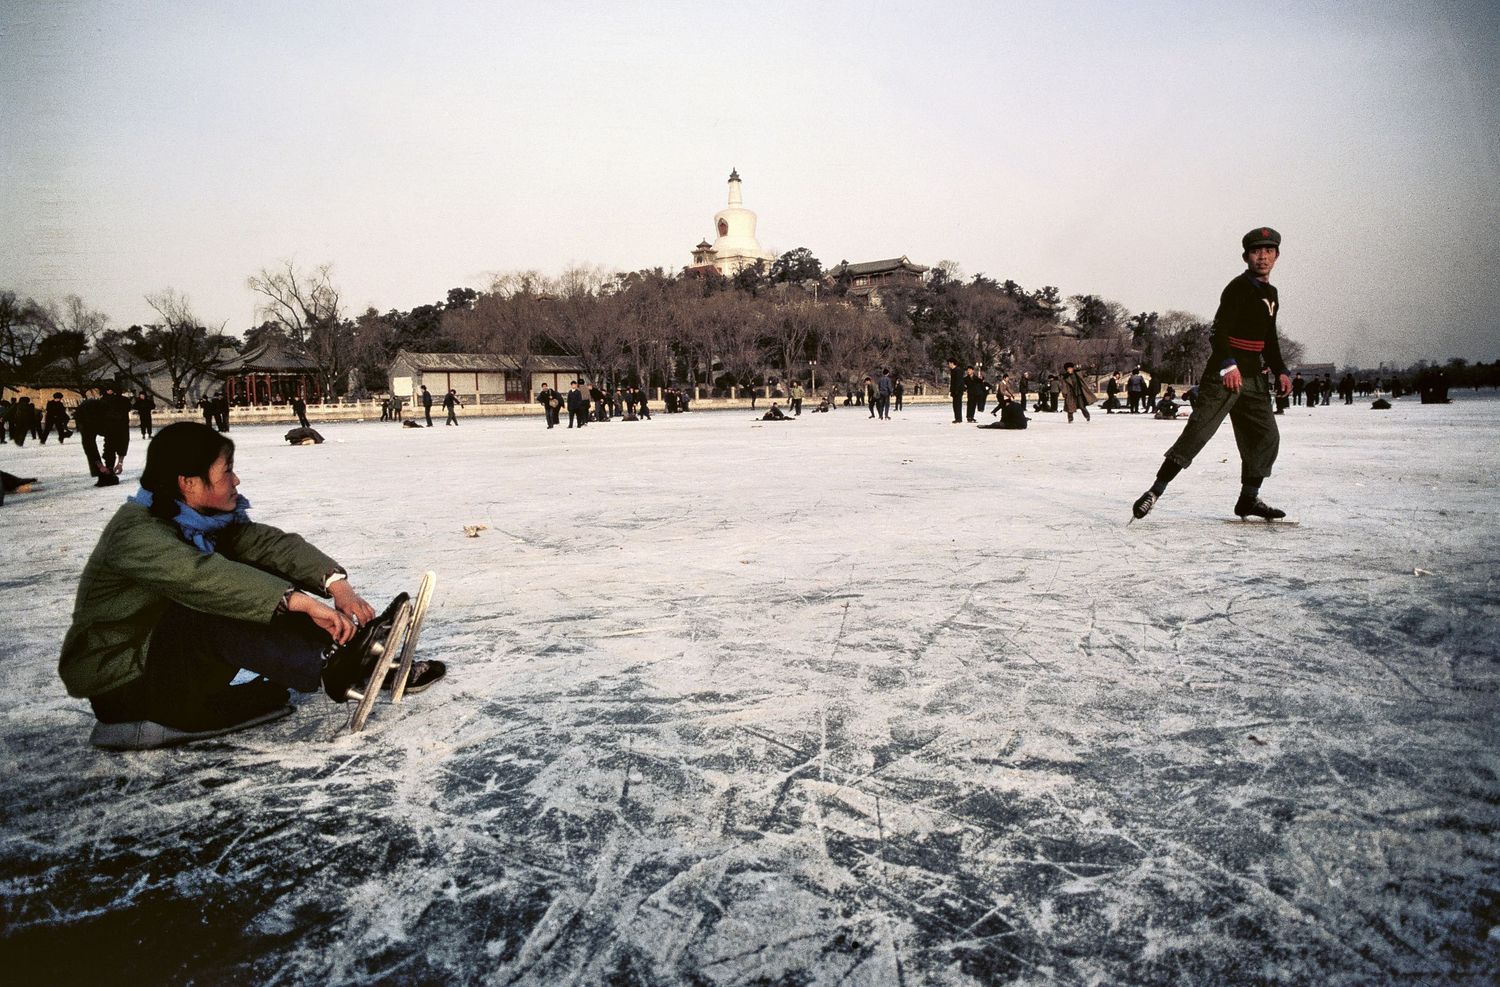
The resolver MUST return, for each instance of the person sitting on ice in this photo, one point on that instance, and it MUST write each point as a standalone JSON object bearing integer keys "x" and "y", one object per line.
{"x": 1012, "y": 416}
{"x": 1166, "y": 405}
{"x": 304, "y": 435}
{"x": 183, "y": 591}
{"x": 775, "y": 414}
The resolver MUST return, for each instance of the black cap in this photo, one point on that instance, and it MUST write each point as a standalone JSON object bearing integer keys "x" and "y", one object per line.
{"x": 1262, "y": 237}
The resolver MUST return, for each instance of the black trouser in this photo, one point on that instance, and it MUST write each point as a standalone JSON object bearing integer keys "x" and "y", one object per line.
{"x": 194, "y": 656}
{"x": 898, "y": 402}
{"x": 116, "y": 444}
{"x": 427, "y": 413}
{"x": 146, "y": 424}
{"x": 90, "y": 442}
{"x": 302, "y": 419}
{"x": 958, "y": 407}
{"x": 1052, "y": 400}
{"x": 1135, "y": 403}
{"x": 1248, "y": 411}
{"x": 796, "y": 406}
{"x": 452, "y": 417}
{"x": 973, "y": 403}
{"x": 62, "y": 430}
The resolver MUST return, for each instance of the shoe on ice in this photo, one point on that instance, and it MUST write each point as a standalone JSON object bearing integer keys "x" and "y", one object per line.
{"x": 352, "y": 661}
{"x": 424, "y": 675}
{"x": 1247, "y": 507}
{"x": 146, "y": 735}
{"x": 1143, "y": 505}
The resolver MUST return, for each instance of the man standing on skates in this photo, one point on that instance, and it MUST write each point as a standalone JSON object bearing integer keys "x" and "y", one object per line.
{"x": 1234, "y": 385}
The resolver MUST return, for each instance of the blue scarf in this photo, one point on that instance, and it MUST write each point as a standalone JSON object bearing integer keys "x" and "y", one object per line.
{"x": 200, "y": 529}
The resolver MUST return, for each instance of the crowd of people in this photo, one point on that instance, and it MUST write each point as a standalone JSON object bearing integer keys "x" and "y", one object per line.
{"x": 586, "y": 403}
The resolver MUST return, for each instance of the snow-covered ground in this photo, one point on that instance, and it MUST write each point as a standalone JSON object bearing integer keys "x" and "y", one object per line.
{"x": 834, "y": 701}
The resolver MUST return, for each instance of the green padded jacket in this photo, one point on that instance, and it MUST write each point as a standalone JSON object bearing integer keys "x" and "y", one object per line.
{"x": 142, "y": 563}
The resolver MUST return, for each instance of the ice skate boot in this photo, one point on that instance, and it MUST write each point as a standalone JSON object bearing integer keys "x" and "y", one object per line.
{"x": 1143, "y": 505}
{"x": 1248, "y": 507}
{"x": 352, "y": 661}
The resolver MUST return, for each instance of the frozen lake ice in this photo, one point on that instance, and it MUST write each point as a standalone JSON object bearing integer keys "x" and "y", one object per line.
{"x": 836, "y": 701}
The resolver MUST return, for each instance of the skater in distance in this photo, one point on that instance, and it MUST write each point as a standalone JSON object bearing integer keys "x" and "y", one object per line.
{"x": 183, "y": 591}
{"x": 1234, "y": 384}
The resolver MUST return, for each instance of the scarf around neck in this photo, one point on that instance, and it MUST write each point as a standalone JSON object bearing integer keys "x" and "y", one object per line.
{"x": 200, "y": 529}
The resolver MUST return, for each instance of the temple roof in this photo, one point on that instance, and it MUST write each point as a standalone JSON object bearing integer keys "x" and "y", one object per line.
{"x": 272, "y": 356}
{"x": 483, "y": 362}
{"x": 879, "y": 267}
{"x": 734, "y": 174}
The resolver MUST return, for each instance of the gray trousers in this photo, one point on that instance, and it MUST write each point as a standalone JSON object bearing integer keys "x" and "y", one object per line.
{"x": 1249, "y": 413}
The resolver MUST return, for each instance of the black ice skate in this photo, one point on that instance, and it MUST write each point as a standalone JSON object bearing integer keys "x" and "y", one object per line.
{"x": 352, "y": 661}
{"x": 1143, "y": 505}
{"x": 1248, "y": 507}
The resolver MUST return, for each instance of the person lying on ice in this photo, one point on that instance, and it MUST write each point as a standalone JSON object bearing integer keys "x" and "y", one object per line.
{"x": 183, "y": 591}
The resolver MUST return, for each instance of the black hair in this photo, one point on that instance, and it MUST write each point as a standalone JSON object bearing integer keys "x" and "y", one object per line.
{"x": 180, "y": 449}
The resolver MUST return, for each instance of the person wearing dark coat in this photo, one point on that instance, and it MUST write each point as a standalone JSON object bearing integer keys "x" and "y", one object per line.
{"x": 1012, "y": 416}
{"x": 427, "y": 405}
{"x": 221, "y": 411}
{"x": 55, "y": 417}
{"x": 551, "y": 402}
{"x": 1112, "y": 388}
{"x": 304, "y": 435}
{"x": 1245, "y": 367}
{"x": 143, "y": 406}
{"x": 299, "y": 408}
{"x": 578, "y": 406}
{"x": 1076, "y": 392}
{"x": 640, "y": 399}
{"x": 974, "y": 388}
{"x": 116, "y": 430}
{"x": 956, "y": 388}
{"x": 22, "y": 419}
{"x": 451, "y": 404}
{"x": 90, "y": 417}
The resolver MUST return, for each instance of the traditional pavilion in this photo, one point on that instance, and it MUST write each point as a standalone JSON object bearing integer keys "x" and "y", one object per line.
{"x": 272, "y": 373}
{"x": 736, "y": 247}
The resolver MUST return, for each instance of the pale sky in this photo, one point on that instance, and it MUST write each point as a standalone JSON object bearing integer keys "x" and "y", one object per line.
{"x": 1117, "y": 149}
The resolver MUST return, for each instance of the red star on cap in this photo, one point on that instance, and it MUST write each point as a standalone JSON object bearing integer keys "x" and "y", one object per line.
{"x": 1265, "y": 232}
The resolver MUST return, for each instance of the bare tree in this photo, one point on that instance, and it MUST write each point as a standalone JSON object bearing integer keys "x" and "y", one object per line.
{"x": 188, "y": 351}
{"x": 76, "y": 327}
{"x": 736, "y": 327}
{"x": 513, "y": 319}
{"x": 23, "y": 326}
{"x": 1183, "y": 340}
{"x": 846, "y": 341}
{"x": 792, "y": 323}
{"x": 307, "y": 305}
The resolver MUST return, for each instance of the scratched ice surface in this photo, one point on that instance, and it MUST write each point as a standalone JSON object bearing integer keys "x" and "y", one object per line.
{"x": 829, "y": 702}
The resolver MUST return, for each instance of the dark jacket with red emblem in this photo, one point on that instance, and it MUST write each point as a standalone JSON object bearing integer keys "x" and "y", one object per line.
{"x": 1245, "y": 328}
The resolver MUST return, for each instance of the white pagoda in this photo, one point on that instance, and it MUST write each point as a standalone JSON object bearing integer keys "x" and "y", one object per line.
{"x": 736, "y": 247}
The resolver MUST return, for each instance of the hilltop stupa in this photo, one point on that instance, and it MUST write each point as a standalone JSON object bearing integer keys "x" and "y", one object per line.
{"x": 736, "y": 247}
